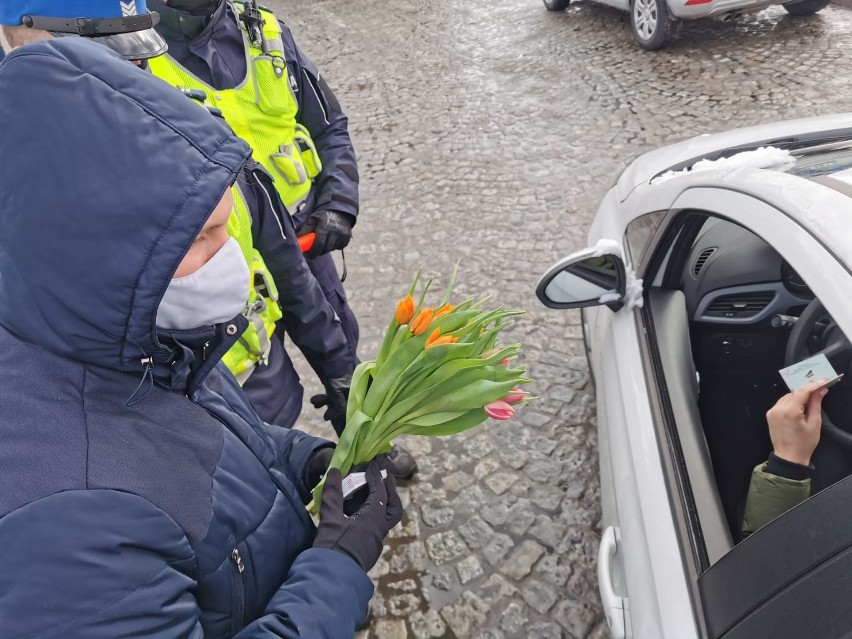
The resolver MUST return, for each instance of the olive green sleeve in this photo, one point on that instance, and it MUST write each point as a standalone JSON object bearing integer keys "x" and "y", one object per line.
{"x": 770, "y": 496}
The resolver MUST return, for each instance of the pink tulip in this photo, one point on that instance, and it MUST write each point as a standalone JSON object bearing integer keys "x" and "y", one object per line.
{"x": 505, "y": 362}
{"x": 515, "y": 396}
{"x": 499, "y": 410}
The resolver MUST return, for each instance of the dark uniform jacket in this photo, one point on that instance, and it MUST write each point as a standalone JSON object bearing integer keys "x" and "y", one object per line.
{"x": 310, "y": 321}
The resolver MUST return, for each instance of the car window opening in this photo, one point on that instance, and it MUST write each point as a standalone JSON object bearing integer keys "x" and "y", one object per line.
{"x": 740, "y": 300}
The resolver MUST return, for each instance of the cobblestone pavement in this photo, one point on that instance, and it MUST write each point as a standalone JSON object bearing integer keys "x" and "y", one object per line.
{"x": 488, "y": 131}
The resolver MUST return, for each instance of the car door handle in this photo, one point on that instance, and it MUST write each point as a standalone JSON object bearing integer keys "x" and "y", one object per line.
{"x": 613, "y": 605}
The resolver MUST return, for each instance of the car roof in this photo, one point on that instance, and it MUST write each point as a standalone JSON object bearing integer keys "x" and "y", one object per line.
{"x": 791, "y": 134}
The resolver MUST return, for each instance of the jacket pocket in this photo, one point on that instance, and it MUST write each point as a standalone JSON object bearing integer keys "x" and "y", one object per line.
{"x": 273, "y": 92}
{"x": 308, "y": 151}
{"x": 289, "y": 166}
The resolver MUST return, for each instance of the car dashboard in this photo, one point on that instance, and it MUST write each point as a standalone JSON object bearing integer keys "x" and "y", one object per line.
{"x": 732, "y": 277}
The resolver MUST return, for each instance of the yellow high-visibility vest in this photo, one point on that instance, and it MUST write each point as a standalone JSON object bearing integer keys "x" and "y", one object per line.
{"x": 262, "y": 309}
{"x": 262, "y": 111}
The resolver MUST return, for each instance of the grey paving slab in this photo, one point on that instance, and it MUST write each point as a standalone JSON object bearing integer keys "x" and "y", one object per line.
{"x": 488, "y": 131}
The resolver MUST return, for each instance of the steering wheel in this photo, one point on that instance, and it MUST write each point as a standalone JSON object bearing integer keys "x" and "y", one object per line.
{"x": 835, "y": 347}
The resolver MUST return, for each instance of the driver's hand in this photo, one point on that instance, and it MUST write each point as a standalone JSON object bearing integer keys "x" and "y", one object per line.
{"x": 795, "y": 422}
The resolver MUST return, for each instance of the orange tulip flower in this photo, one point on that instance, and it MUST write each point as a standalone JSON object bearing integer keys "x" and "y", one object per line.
{"x": 435, "y": 339}
{"x": 405, "y": 310}
{"x": 436, "y": 334}
{"x": 446, "y": 308}
{"x": 422, "y": 321}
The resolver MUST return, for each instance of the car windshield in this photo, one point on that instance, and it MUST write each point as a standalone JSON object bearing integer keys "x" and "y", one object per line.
{"x": 823, "y": 159}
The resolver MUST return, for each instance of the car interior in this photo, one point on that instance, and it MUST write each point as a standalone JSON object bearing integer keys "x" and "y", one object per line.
{"x": 725, "y": 309}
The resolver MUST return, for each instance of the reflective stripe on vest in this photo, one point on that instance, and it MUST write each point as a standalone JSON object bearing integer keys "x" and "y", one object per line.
{"x": 262, "y": 111}
{"x": 262, "y": 309}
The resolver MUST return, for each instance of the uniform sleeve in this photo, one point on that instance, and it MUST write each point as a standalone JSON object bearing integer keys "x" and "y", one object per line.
{"x": 309, "y": 319}
{"x": 321, "y": 114}
{"x": 770, "y": 496}
{"x": 102, "y": 564}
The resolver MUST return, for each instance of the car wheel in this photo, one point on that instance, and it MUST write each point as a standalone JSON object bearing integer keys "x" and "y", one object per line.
{"x": 805, "y": 7}
{"x": 556, "y": 5}
{"x": 653, "y": 26}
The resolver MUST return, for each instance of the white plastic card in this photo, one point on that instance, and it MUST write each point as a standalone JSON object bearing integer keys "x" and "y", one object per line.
{"x": 812, "y": 369}
{"x": 354, "y": 481}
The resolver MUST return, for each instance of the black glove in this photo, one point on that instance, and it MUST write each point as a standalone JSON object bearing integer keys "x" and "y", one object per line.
{"x": 360, "y": 536}
{"x": 333, "y": 229}
{"x": 335, "y": 398}
{"x": 319, "y": 464}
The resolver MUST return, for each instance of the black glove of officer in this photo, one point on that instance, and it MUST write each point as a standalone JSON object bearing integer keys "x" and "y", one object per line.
{"x": 333, "y": 229}
{"x": 362, "y": 534}
{"x": 319, "y": 464}
{"x": 335, "y": 398}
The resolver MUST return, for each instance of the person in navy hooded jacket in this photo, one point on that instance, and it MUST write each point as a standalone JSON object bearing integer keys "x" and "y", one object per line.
{"x": 308, "y": 318}
{"x": 140, "y": 494}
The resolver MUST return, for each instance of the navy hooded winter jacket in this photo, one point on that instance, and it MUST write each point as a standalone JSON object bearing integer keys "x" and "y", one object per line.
{"x": 177, "y": 513}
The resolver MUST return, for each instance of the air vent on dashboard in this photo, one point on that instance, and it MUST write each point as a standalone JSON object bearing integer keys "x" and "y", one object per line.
{"x": 739, "y": 304}
{"x": 701, "y": 260}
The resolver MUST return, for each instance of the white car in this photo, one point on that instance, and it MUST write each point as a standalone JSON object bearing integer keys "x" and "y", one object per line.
{"x": 656, "y": 22}
{"x": 714, "y": 263}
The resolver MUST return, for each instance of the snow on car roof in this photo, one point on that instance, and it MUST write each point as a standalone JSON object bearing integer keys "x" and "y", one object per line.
{"x": 765, "y": 157}
{"x": 791, "y": 135}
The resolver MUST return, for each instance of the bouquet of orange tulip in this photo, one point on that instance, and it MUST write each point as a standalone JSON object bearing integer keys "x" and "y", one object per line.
{"x": 439, "y": 371}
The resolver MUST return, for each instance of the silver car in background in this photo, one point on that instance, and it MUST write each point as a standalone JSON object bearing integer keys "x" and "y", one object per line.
{"x": 656, "y": 22}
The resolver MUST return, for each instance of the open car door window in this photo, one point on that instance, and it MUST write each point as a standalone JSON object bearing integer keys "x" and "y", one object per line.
{"x": 781, "y": 581}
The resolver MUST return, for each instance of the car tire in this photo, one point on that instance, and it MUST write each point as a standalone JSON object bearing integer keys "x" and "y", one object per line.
{"x": 556, "y": 5}
{"x": 653, "y": 25}
{"x": 805, "y": 7}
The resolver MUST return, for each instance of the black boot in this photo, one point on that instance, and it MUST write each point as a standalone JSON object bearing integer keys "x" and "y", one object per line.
{"x": 402, "y": 463}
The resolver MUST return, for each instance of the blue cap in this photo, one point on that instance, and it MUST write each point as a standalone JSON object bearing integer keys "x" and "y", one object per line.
{"x": 125, "y": 26}
{"x": 12, "y": 12}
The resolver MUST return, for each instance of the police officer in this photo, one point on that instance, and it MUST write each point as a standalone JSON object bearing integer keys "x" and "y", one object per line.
{"x": 249, "y": 67}
{"x": 281, "y": 284}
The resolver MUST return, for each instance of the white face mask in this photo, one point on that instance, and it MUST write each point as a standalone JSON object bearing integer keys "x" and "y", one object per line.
{"x": 215, "y": 293}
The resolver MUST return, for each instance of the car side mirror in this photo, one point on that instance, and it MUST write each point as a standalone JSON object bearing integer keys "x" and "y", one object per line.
{"x": 583, "y": 279}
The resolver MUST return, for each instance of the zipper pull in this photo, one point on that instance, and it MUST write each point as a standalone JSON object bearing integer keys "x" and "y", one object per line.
{"x": 238, "y": 560}
{"x": 148, "y": 365}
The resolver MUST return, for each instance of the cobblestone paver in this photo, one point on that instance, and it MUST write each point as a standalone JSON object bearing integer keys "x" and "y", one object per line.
{"x": 488, "y": 131}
